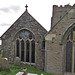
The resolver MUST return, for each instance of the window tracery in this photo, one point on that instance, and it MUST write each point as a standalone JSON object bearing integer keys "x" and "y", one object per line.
{"x": 70, "y": 51}
{"x": 26, "y": 45}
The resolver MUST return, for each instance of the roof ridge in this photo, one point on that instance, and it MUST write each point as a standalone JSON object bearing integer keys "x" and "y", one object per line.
{"x": 25, "y": 12}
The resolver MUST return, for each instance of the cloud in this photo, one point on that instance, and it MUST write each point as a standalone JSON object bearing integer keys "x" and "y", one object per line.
{"x": 5, "y": 10}
{"x": 4, "y": 24}
{"x": 9, "y": 9}
{"x": 15, "y": 8}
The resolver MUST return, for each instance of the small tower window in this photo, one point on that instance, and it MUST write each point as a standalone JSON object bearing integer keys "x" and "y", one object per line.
{"x": 42, "y": 42}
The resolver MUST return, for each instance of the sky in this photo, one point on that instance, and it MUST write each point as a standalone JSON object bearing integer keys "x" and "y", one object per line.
{"x": 41, "y": 10}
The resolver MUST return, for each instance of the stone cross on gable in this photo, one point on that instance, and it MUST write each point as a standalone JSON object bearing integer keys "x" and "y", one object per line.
{"x": 26, "y": 7}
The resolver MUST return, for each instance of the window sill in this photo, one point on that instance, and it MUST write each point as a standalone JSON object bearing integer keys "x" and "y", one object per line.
{"x": 28, "y": 63}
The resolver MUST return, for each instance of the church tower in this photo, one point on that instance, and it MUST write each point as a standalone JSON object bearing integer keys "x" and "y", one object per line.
{"x": 60, "y": 42}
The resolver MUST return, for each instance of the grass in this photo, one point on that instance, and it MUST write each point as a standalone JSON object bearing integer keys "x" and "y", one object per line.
{"x": 0, "y": 56}
{"x": 15, "y": 69}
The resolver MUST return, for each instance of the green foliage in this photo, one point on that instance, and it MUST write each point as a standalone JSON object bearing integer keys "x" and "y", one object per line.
{"x": 15, "y": 69}
{"x": 0, "y": 56}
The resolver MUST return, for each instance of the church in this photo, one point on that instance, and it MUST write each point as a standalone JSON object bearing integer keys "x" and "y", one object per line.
{"x": 25, "y": 39}
{"x": 52, "y": 51}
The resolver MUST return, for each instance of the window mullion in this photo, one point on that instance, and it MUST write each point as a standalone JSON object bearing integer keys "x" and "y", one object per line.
{"x": 30, "y": 52}
{"x": 20, "y": 49}
{"x": 25, "y": 51}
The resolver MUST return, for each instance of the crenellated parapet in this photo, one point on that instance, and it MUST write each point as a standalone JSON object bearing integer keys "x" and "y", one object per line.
{"x": 61, "y": 6}
{"x": 58, "y": 12}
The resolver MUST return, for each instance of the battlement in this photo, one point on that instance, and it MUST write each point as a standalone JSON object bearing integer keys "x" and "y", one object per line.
{"x": 58, "y": 12}
{"x": 57, "y": 8}
{"x": 61, "y": 6}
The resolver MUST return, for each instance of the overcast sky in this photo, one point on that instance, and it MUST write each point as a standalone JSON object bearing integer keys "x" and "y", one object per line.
{"x": 41, "y": 10}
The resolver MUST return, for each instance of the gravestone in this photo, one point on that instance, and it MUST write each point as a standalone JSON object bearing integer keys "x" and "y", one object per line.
{"x": 17, "y": 61}
{"x": 4, "y": 65}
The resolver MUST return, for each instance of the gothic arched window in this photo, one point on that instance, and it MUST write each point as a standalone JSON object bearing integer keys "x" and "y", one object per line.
{"x": 25, "y": 46}
{"x": 70, "y": 51}
{"x": 27, "y": 50}
{"x": 33, "y": 51}
{"x": 42, "y": 42}
{"x": 17, "y": 48}
{"x": 22, "y": 50}
{"x": 69, "y": 56}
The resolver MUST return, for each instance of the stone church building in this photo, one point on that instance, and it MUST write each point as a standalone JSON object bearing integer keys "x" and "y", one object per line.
{"x": 25, "y": 39}
{"x": 60, "y": 42}
{"x": 52, "y": 51}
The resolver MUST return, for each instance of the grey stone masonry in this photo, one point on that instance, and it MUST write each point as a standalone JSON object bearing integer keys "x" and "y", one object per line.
{"x": 28, "y": 23}
{"x": 56, "y": 40}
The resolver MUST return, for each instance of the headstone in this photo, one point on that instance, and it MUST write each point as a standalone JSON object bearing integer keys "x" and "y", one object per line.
{"x": 4, "y": 65}
{"x": 20, "y": 73}
{"x": 17, "y": 61}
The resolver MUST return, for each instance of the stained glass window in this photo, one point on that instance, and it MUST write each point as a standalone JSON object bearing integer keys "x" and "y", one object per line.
{"x": 26, "y": 33}
{"x": 70, "y": 51}
{"x": 25, "y": 46}
{"x": 20, "y": 36}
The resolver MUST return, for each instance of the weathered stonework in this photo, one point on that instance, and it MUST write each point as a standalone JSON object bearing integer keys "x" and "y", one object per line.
{"x": 25, "y": 22}
{"x": 0, "y": 48}
{"x": 56, "y": 50}
{"x": 53, "y": 58}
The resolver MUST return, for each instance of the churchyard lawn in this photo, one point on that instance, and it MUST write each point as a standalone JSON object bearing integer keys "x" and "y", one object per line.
{"x": 0, "y": 55}
{"x": 15, "y": 69}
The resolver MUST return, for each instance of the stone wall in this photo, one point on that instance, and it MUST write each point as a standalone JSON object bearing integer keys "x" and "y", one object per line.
{"x": 58, "y": 13}
{"x": 25, "y": 21}
{"x": 55, "y": 47}
{"x": 0, "y": 48}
